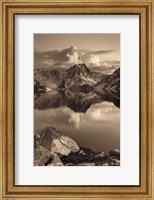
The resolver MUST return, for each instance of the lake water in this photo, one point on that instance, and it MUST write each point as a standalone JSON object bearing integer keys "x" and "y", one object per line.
{"x": 97, "y": 128}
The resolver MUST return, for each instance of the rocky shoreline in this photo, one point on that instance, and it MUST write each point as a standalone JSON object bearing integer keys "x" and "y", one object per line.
{"x": 52, "y": 148}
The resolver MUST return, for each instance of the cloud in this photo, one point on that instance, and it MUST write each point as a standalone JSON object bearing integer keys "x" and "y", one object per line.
{"x": 107, "y": 67}
{"x": 69, "y": 56}
{"x": 99, "y": 52}
{"x": 55, "y": 58}
{"x": 49, "y": 61}
{"x": 91, "y": 60}
{"x": 72, "y": 55}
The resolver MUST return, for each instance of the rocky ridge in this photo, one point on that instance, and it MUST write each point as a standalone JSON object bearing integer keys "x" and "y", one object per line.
{"x": 74, "y": 77}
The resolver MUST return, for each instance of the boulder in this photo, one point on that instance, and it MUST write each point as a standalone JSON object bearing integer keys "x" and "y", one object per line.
{"x": 116, "y": 161}
{"x": 82, "y": 152}
{"x": 57, "y": 143}
{"x": 56, "y": 161}
{"x": 69, "y": 164}
{"x": 41, "y": 156}
{"x": 116, "y": 164}
{"x": 105, "y": 164}
{"x": 112, "y": 164}
{"x": 116, "y": 152}
{"x": 99, "y": 155}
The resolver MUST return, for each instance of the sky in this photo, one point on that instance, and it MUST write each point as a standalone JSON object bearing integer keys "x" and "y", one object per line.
{"x": 100, "y": 52}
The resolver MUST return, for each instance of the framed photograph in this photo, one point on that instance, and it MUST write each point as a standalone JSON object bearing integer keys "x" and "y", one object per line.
{"x": 76, "y": 99}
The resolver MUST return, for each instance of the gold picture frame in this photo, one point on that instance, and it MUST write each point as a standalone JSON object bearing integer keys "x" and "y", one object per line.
{"x": 10, "y": 8}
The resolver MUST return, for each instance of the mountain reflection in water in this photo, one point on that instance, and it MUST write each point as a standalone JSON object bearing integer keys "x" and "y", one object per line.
{"x": 91, "y": 119}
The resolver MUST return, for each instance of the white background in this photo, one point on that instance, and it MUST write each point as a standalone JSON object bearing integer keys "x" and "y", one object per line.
{"x": 128, "y": 172}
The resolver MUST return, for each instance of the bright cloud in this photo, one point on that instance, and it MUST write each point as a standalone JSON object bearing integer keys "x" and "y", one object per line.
{"x": 73, "y": 55}
{"x": 91, "y": 60}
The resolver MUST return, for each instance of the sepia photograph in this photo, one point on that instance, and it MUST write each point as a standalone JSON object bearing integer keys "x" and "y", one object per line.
{"x": 77, "y": 99}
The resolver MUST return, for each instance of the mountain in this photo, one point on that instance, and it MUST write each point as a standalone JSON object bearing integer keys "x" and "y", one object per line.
{"x": 97, "y": 76}
{"x": 111, "y": 82}
{"x": 80, "y": 75}
{"x": 114, "y": 80}
{"x": 73, "y": 78}
{"x": 111, "y": 87}
{"x": 50, "y": 78}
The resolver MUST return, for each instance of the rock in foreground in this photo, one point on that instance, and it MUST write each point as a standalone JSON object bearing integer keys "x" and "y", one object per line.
{"x": 56, "y": 142}
{"x": 52, "y": 148}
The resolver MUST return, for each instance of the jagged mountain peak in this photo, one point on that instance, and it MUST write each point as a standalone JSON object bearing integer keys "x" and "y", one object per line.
{"x": 79, "y": 68}
{"x": 79, "y": 73}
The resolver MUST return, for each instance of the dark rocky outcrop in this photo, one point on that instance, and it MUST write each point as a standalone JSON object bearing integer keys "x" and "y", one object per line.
{"x": 86, "y": 157}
